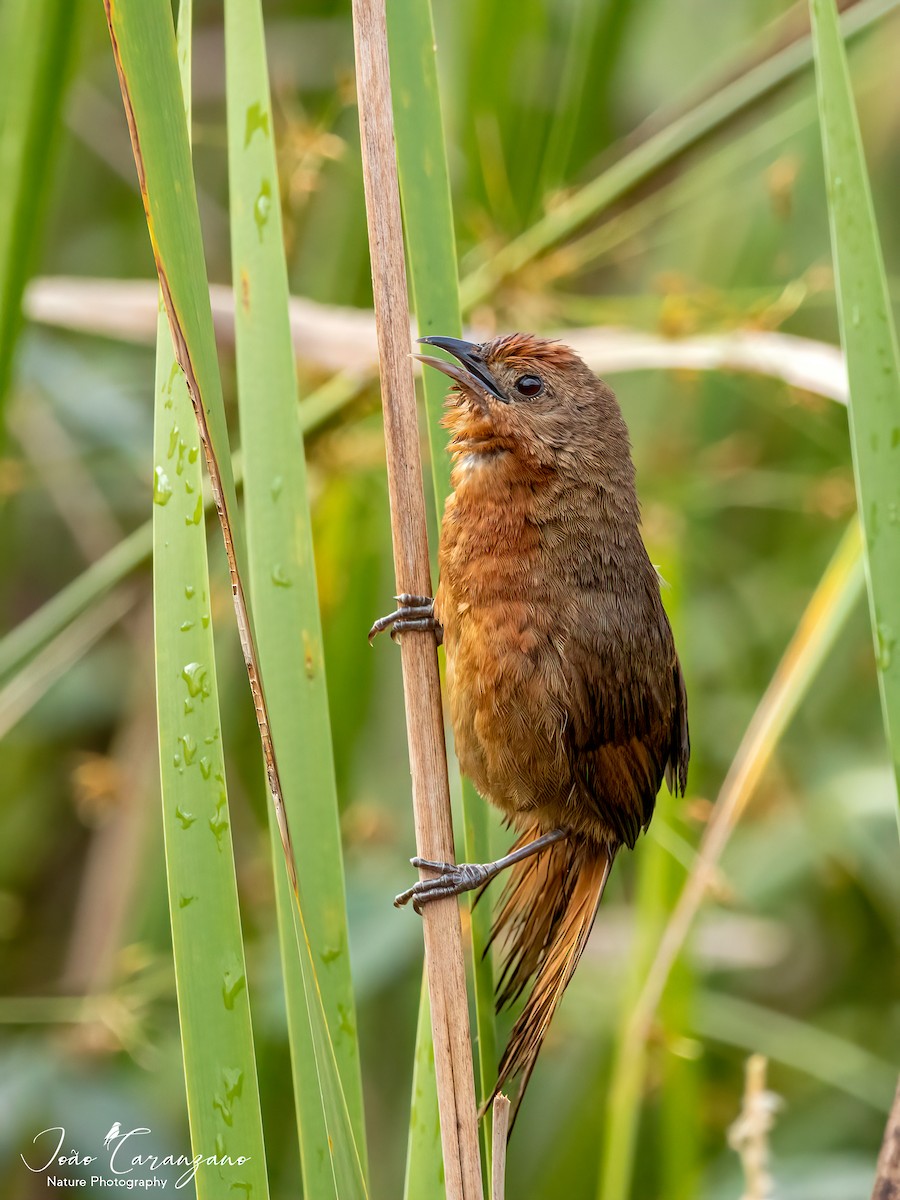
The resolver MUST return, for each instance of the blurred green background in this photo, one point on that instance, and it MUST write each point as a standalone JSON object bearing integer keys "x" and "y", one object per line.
{"x": 746, "y": 488}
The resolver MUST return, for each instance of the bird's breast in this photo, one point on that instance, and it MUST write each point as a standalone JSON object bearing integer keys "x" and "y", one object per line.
{"x": 505, "y": 612}
{"x": 538, "y": 588}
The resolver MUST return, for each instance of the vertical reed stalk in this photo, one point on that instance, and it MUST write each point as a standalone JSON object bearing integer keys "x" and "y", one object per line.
{"x": 428, "y": 760}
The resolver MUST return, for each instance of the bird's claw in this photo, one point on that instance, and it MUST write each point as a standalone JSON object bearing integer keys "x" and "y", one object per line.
{"x": 452, "y": 880}
{"x": 415, "y": 614}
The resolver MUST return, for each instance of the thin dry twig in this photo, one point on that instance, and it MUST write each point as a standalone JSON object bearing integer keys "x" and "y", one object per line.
{"x": 500, "y": 1134}
{"x": 887, "y": 1174}
{"x": 64, "y": 476}
{"x": 749, "y": 1135}
{"x": 424, "y": 724}
{"x": 343, "y": 339}
{"x": 28, "y": 685}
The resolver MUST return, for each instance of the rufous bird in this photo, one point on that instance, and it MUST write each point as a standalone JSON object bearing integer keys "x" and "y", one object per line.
{"x": 566, "y": 694}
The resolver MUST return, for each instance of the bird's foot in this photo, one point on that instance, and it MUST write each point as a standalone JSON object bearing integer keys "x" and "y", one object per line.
{"x": 452, "y": 880}
{"x": 415, "y": 615}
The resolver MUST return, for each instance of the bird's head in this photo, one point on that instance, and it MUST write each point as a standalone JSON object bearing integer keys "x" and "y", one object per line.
{"x": 530, "y": 400}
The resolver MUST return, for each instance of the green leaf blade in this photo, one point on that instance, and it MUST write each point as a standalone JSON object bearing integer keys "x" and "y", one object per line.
{"x": 147, "y": 62}
{"x": 282, "y": 581}
{"x": 285, "y": 602}
{"x": 870, "y": 344}
{"x": 222, "y": 1090}
{"x": 36, "y": 41}
{"x": 210, "y": 971}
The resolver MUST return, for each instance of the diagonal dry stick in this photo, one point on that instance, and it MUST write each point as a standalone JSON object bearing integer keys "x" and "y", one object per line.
{"x": 887, "y": 1175}
{"x": 837, "y": 592}
{"x": 421, "y": 682}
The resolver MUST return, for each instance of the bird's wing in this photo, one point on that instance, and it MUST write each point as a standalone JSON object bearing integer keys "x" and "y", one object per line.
{"x": 627, "y": 724}
{"x": 680, "y": 749}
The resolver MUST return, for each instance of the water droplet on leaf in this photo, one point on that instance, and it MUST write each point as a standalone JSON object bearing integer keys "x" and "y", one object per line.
{"x": 887, "y": 640}
{"x": 195, "y": 676}
{"x": 197, "y": 516}
{"x": 162, "y": 488}
{"x": 232, "y": 986}
{"x": 257, "y": 119}
{"x": 189, "y": 745}
{"x": 263, "y": 206}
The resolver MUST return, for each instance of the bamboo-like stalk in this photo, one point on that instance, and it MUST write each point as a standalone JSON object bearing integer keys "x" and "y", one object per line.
{"x": 433, "y": 275}
{"x": 428, "y": 758}
{"x": 887, "y": 1173}
{"x": 500, "y": 1133}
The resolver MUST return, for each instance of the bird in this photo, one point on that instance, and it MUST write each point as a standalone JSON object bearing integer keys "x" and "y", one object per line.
{"x": 567, "y": 698}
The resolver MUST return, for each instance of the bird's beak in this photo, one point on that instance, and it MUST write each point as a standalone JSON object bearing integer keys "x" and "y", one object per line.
{"x": 471, "y": 373}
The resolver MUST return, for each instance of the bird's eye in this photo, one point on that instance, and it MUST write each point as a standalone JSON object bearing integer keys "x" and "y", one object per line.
{"x": 529, "y": 385}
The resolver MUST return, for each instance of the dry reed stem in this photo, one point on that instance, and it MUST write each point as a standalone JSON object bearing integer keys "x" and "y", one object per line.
{"x": 749, "y": 1135}
{"x": 887, "y": 1174}
{"x": 421, "y": 682}
{"x": 337, "y": 338}
{"x": 498, "y": 1147}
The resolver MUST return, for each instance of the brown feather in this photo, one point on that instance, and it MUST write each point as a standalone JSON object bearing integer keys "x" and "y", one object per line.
{"x": 547, "y": 911}
{"x": 566, "y": 694}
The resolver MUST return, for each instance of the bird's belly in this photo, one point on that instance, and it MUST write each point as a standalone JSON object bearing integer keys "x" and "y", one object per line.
{"x": 506, "y": 683}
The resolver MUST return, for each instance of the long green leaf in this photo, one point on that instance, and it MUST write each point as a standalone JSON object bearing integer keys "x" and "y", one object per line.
{"x": 36, "y": 37}
{"x": 431, "y": 254}
{"x": 424, "y": 1159}
{"x": 819, "y": 1053}
{"x": 144, "y": 51}
{"x": 210, "y": 973}
{"x": 870, "y": 344}
{"x": 283, "y": 589}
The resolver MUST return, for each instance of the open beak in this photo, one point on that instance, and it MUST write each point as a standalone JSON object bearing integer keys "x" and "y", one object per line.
{"x": 471, "y": 371}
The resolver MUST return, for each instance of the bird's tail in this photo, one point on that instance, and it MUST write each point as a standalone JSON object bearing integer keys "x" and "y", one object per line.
{"x": 546, "y": 913}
